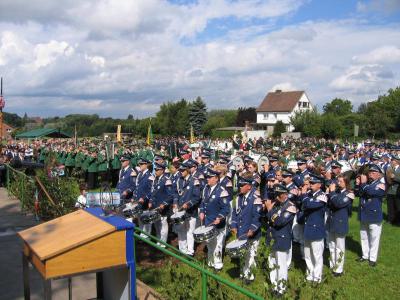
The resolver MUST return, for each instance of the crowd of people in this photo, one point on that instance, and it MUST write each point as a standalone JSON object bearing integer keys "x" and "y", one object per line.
{"x": 302, "y": 191}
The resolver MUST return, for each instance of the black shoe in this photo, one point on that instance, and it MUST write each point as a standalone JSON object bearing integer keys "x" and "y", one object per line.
{"x": 361, "y": 259}
{"x": 248, "y": 281}
{"x": 372, "y": 263}
{"x": 337, "y": 274}
{"x": 276, "y": 294}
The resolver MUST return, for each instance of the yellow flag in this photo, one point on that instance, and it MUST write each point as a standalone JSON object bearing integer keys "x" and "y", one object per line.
{"x": 149, "y": 135}
{"x": 119, "y": 134}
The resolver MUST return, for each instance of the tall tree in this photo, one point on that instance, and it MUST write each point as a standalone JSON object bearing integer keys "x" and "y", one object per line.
{"x": 278, "y": 129}
{"x": 338, "y": 107}
{"x": 198, "y": 115}
{"x": 246, "y": 114}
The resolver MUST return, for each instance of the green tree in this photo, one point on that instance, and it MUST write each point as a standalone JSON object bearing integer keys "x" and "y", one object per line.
{"x": 130, "y": 117}
{"x": 331, "y": 126}
{"x": 308, "y": 122}
{"x": 278, "y": 129}
{"x": 173, "y": 118}
{"x": 218, "y": 119}
{"x": 198, "y": 115}
{"x": 338, "y": 107}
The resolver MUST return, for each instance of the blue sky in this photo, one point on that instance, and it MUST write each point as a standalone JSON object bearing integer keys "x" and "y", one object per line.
{"x": 116, "y": 58}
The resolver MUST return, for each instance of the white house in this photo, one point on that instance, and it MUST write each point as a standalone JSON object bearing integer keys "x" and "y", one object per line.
{"x": 280, "y": 106}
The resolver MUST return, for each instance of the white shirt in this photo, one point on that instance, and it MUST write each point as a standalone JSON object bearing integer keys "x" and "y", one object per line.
{"x": 81, "y": 202}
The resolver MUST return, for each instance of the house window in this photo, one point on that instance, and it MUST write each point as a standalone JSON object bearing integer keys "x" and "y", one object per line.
{"x": 299, "y": 104}
{"x": 265, "y": 116}
{"x": 305, "y": 104}
{"x": 275, "y": 115}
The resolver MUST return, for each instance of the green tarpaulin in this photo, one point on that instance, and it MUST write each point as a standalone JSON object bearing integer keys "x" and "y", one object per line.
{"x": 43, "y": 132}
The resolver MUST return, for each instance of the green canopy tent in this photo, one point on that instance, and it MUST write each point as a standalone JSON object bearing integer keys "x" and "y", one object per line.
{"x": 43, "y": 133}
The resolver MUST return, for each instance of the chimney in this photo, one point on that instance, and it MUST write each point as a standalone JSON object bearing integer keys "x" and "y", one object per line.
{"x": 278, "y": 91}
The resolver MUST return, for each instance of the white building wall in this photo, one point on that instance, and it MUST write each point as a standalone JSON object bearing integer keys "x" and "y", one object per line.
{"x": 271, "y": 118}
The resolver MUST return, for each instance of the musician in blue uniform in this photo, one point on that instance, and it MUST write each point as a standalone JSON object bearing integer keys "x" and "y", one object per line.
{"x": 125, "y": 185}
{"x": 302, "y": 169}
{"x": 280, "y": 219}
{"x": 340, "y": 200}
{"x": 246, "y": 222}
{"x": 205, "y": 161}
{"x": 370, "y": 212}
{"x": 298, "y": 229}
{"x": 187, "y": 196}
{"x": 313, "y": 206}
{"x": 144, "y": 181}
{"x": 161, "y": 199}
{"x": 214, "y": 209}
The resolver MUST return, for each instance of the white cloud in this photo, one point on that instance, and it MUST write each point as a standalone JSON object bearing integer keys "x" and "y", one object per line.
{"x": 385, "y": 54}
{"x": 118, "y": 59}
{"x": 366, "y": 78}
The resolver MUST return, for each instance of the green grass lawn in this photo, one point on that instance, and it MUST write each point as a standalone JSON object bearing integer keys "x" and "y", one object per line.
{"x": 177, "y": 281}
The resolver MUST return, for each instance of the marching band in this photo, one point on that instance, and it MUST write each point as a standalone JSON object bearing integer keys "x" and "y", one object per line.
{"x": 230, "y": 200}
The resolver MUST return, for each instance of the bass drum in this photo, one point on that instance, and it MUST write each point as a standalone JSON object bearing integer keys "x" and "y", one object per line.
{"x": 238, "y": 162}
{"x": 263, "y": 160}
{"x": 347, "y": 169}
{"x": 292, "y": 165}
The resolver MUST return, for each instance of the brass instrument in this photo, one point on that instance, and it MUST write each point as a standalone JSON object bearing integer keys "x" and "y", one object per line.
{"x": 389, "y": 175}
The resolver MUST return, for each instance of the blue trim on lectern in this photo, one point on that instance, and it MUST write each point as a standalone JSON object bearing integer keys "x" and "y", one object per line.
{"x": 130, "y": 261}
{"x": 118, "y": 222}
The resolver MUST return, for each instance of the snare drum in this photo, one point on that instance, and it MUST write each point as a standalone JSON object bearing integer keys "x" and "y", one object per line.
{"x": 132, "y": 210}
{"x": 204, "y": 233}
{"x": 178, "y": 217}
{"x": 149, "y": 217}
{"x": 237, "y": 248}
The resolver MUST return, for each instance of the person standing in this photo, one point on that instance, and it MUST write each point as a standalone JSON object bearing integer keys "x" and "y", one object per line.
{"x": 393, "y": 191}
{"x": 340, "y": 200}
{"x": 125, "y": 185}
{"x": 370, "y": 212}
{"x": 280, "y": 219}
{"x": 313, "y": 206}
{"x": 187, "y": 193}
{"x": 161, "y": 199}
{"x": 214, "y": 209}
{"x": 246, "y": 223}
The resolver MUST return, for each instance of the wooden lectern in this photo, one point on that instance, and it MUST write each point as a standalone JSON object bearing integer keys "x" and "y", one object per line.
{"x": 80, "y": 242}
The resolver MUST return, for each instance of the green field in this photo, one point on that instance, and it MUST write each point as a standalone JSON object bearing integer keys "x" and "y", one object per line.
{"x": 174, "y": 280}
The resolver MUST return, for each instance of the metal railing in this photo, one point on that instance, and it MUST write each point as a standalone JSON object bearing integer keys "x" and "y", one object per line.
{"x": 193, "y": 263}
{"x": 22, "y": 181}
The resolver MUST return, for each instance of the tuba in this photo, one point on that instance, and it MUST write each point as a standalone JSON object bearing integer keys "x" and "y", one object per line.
{"x": 389, "y": 175}
{"x": 263, "y": 160}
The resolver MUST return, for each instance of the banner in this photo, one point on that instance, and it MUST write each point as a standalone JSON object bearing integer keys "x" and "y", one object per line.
{"x": 119, "y": 134}
{"x": 149, "y": 135}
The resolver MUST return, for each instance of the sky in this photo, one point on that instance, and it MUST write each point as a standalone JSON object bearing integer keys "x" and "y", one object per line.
{"x": 121, "y": 57}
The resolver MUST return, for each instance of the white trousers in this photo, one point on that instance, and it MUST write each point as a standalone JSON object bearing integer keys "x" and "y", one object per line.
{"x": 337, "y": 249}
{"x": 370, "y": 237}
{"x": 145, "y": 227}
{"x": 185, "y": 235}
{"x": 214, "y": 250}
{"x": 249, "y": 260}
{"x": 277, "y": 261}
{"x": 162, "y": 228}
{"x": 313, "y": 254}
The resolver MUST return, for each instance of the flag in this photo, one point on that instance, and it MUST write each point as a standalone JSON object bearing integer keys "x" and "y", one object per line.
{"x": 149, "y": 135}
{"x": 192, "y": 139}
{"x": 119, "y": 133}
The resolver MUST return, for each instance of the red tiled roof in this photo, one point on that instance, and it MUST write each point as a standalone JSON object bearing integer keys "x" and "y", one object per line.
{"x": 280, "y": 101}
